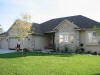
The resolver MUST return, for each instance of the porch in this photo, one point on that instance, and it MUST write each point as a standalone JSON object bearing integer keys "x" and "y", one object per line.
{"x": 51, "y": 45}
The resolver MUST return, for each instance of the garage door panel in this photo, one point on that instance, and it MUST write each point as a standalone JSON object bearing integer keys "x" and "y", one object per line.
{"x": 4, "y": 44}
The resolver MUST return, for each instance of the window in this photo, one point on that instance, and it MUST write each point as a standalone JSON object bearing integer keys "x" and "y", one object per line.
{"x": 66, "y": 38}
{"x": 92, "y": 37}
{"x": 94, "y": 34}
{"x": 63, "y": 38}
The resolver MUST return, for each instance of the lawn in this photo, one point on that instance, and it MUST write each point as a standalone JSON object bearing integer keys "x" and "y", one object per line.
{"x": 49, "y": 64}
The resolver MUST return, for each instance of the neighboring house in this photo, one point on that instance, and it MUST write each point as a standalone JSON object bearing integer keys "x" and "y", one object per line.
{"x": 71, "y": 31}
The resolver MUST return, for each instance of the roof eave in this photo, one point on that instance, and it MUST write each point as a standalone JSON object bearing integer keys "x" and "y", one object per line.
{"x": 50, "y": 32}
{"x": 83, "y": 29}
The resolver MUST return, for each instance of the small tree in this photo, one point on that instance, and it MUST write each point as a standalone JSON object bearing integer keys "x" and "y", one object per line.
{"x": 23, "y": 29}
{"x": 26, "y": 17}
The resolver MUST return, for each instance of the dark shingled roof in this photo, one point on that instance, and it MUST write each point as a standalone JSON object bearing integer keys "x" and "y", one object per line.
{"x": 36, "y": 28}
{"x": 79, "y": 20}
{"x": 3, "y": 34}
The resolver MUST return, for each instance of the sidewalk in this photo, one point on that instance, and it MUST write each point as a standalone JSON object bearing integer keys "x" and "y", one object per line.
{"x": 3, "y": 51}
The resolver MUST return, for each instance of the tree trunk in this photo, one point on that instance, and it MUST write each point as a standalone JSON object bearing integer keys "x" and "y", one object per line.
{"x": 22, "y": 47}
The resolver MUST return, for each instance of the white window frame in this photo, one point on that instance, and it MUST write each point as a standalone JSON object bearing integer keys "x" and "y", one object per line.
{"x": 91, "y": 37}
{"x": 66, "y": 38}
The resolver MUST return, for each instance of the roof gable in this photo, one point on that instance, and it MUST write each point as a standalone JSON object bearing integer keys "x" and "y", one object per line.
{"x": 65, "y": 22}
{"x": 79, "y": 20}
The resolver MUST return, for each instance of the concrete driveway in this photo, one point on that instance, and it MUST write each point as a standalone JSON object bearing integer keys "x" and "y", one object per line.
{"x": 3, "y": 51}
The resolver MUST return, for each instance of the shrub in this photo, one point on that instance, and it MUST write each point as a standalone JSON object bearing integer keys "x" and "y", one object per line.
{"x": 94, "y": 53}
{"x": 98, "y": 53}
{"x": 62, "y": 51}
{"x": 70, "y": 51}
{"x": 26, "y": 50}
{"x": 89, "y": 52}
{"x": 82, "y": 50}
{"x": 66, "y": 48}
{"x": 77, "y": 50}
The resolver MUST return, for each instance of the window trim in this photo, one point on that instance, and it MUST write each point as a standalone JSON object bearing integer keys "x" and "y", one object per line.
{"x": 91, "y": 37}
{"x": 66, "y": 38}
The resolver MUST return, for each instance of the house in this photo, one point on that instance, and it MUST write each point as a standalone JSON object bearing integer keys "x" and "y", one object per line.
{"x": 60, "y": 32}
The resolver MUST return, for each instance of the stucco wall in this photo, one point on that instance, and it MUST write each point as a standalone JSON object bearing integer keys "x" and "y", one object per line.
{"x": 66, "y": 27}
{"x": 89, "y": 46}
{"x": 33, "y": 42}
{"x": 4, "y": 43}
{"x": 39, "y": 42}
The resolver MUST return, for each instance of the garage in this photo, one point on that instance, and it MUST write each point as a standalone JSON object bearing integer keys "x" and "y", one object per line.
{"x": 12, "y": 43}
{"x": 4, "y": 43}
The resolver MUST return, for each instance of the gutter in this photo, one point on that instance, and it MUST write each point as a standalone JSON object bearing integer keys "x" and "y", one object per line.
{"x": 83, "y": 29}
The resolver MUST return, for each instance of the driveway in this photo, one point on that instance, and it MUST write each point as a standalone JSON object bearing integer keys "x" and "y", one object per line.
{"x": 3, "y": 51}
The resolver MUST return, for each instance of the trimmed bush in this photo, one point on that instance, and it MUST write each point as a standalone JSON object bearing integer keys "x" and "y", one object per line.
{"x": 94, "y": 53}
{"x": 26, "y": 50}
{"x": 82, "y": 50}
{"x": 77, "y": 50}
{"x": 89, "y": 52}
{"x": 66, "y": 48}
{"x": 98, "y": 53}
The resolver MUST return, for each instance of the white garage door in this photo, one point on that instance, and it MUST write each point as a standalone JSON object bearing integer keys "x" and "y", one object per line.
{"x": 4, "y": 44}
{"x": 13, "y": 43}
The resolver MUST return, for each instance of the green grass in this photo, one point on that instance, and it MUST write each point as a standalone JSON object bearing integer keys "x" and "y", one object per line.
{"x": 49, "y": 64}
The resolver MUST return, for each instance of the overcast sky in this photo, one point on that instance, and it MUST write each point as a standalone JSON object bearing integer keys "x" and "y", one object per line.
{"x": 43, "y": 10}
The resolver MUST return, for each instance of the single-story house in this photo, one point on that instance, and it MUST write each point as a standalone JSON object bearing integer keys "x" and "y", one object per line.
{"x": 57, "y": 33}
